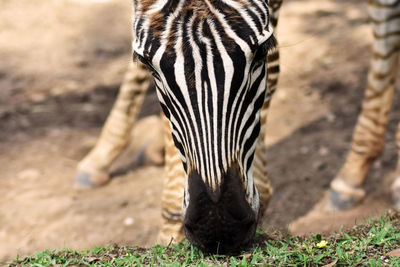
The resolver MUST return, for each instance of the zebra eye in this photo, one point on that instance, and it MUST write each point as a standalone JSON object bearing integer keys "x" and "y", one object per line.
{"x": 145, "y": 62}
{"x": 260, "y": 54}
{"x": 263, "y": 49}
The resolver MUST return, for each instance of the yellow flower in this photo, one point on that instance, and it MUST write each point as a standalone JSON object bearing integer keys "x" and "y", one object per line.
{"x": 322, "y": 244}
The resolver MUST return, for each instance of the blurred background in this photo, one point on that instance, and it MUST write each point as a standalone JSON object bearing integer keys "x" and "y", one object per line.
{"x": 61, "y": 63}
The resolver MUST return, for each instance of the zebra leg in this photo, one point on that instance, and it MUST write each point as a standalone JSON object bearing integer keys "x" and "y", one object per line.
{"x": 93, "y": 170}
{"x": 171, "y": 201}
{"x": 368, "y": 136}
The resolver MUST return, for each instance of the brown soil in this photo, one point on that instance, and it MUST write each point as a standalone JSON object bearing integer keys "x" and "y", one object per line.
{"x": 61, "y": 65}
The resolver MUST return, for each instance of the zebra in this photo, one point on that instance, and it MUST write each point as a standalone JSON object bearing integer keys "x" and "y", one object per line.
{"x": 208, "y": 59}
{"x": 369, "y": 133}
{"x": 346, "y": 188}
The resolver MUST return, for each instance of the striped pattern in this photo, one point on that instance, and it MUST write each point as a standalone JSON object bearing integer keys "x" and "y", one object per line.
{"x": 369, "y": 133}
{"x": 115, "y": 136}
{"x": 208, "y": 60}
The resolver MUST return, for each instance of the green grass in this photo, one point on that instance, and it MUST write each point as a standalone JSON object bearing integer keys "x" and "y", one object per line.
{"x": 363, "y": 245}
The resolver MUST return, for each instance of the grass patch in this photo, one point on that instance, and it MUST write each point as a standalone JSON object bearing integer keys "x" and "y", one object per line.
{"x": 363, "y": 245}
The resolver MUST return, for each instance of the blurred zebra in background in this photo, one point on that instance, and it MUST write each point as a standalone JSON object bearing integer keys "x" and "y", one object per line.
{"x": 369, "y": 133}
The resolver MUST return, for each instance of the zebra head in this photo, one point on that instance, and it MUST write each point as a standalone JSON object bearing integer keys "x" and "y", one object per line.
{"x": 208, "y": 58}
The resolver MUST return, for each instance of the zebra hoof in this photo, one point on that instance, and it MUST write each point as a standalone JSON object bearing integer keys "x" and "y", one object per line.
{"x": 343, "y": 196}
{"x": 86, "y": 180}
{"x": 340, "y": 201}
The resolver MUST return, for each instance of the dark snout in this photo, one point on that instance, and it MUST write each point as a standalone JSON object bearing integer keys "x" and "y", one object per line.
{"x": 219, "y": 221}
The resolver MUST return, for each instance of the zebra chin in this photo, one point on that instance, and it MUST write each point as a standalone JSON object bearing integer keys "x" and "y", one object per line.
{"x": 219, "y": 221}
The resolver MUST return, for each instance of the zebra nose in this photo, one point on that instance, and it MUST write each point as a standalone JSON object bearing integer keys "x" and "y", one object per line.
{"x": 219, "y": 223}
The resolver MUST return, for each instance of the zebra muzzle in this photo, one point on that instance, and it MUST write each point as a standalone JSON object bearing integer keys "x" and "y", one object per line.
{"x": 219, "y": 220}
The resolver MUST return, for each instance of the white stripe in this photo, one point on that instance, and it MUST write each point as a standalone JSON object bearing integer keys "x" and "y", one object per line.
{"x": 228, "y": 70}
{"x": 211, "y": 75}
{"x": 210, "y": 169}
{"x": 197, "y": 72}
{"x": 179, "y": 71}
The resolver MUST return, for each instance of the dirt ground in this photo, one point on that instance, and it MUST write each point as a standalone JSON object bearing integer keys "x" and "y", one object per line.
{"x": 61, "y": 64}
